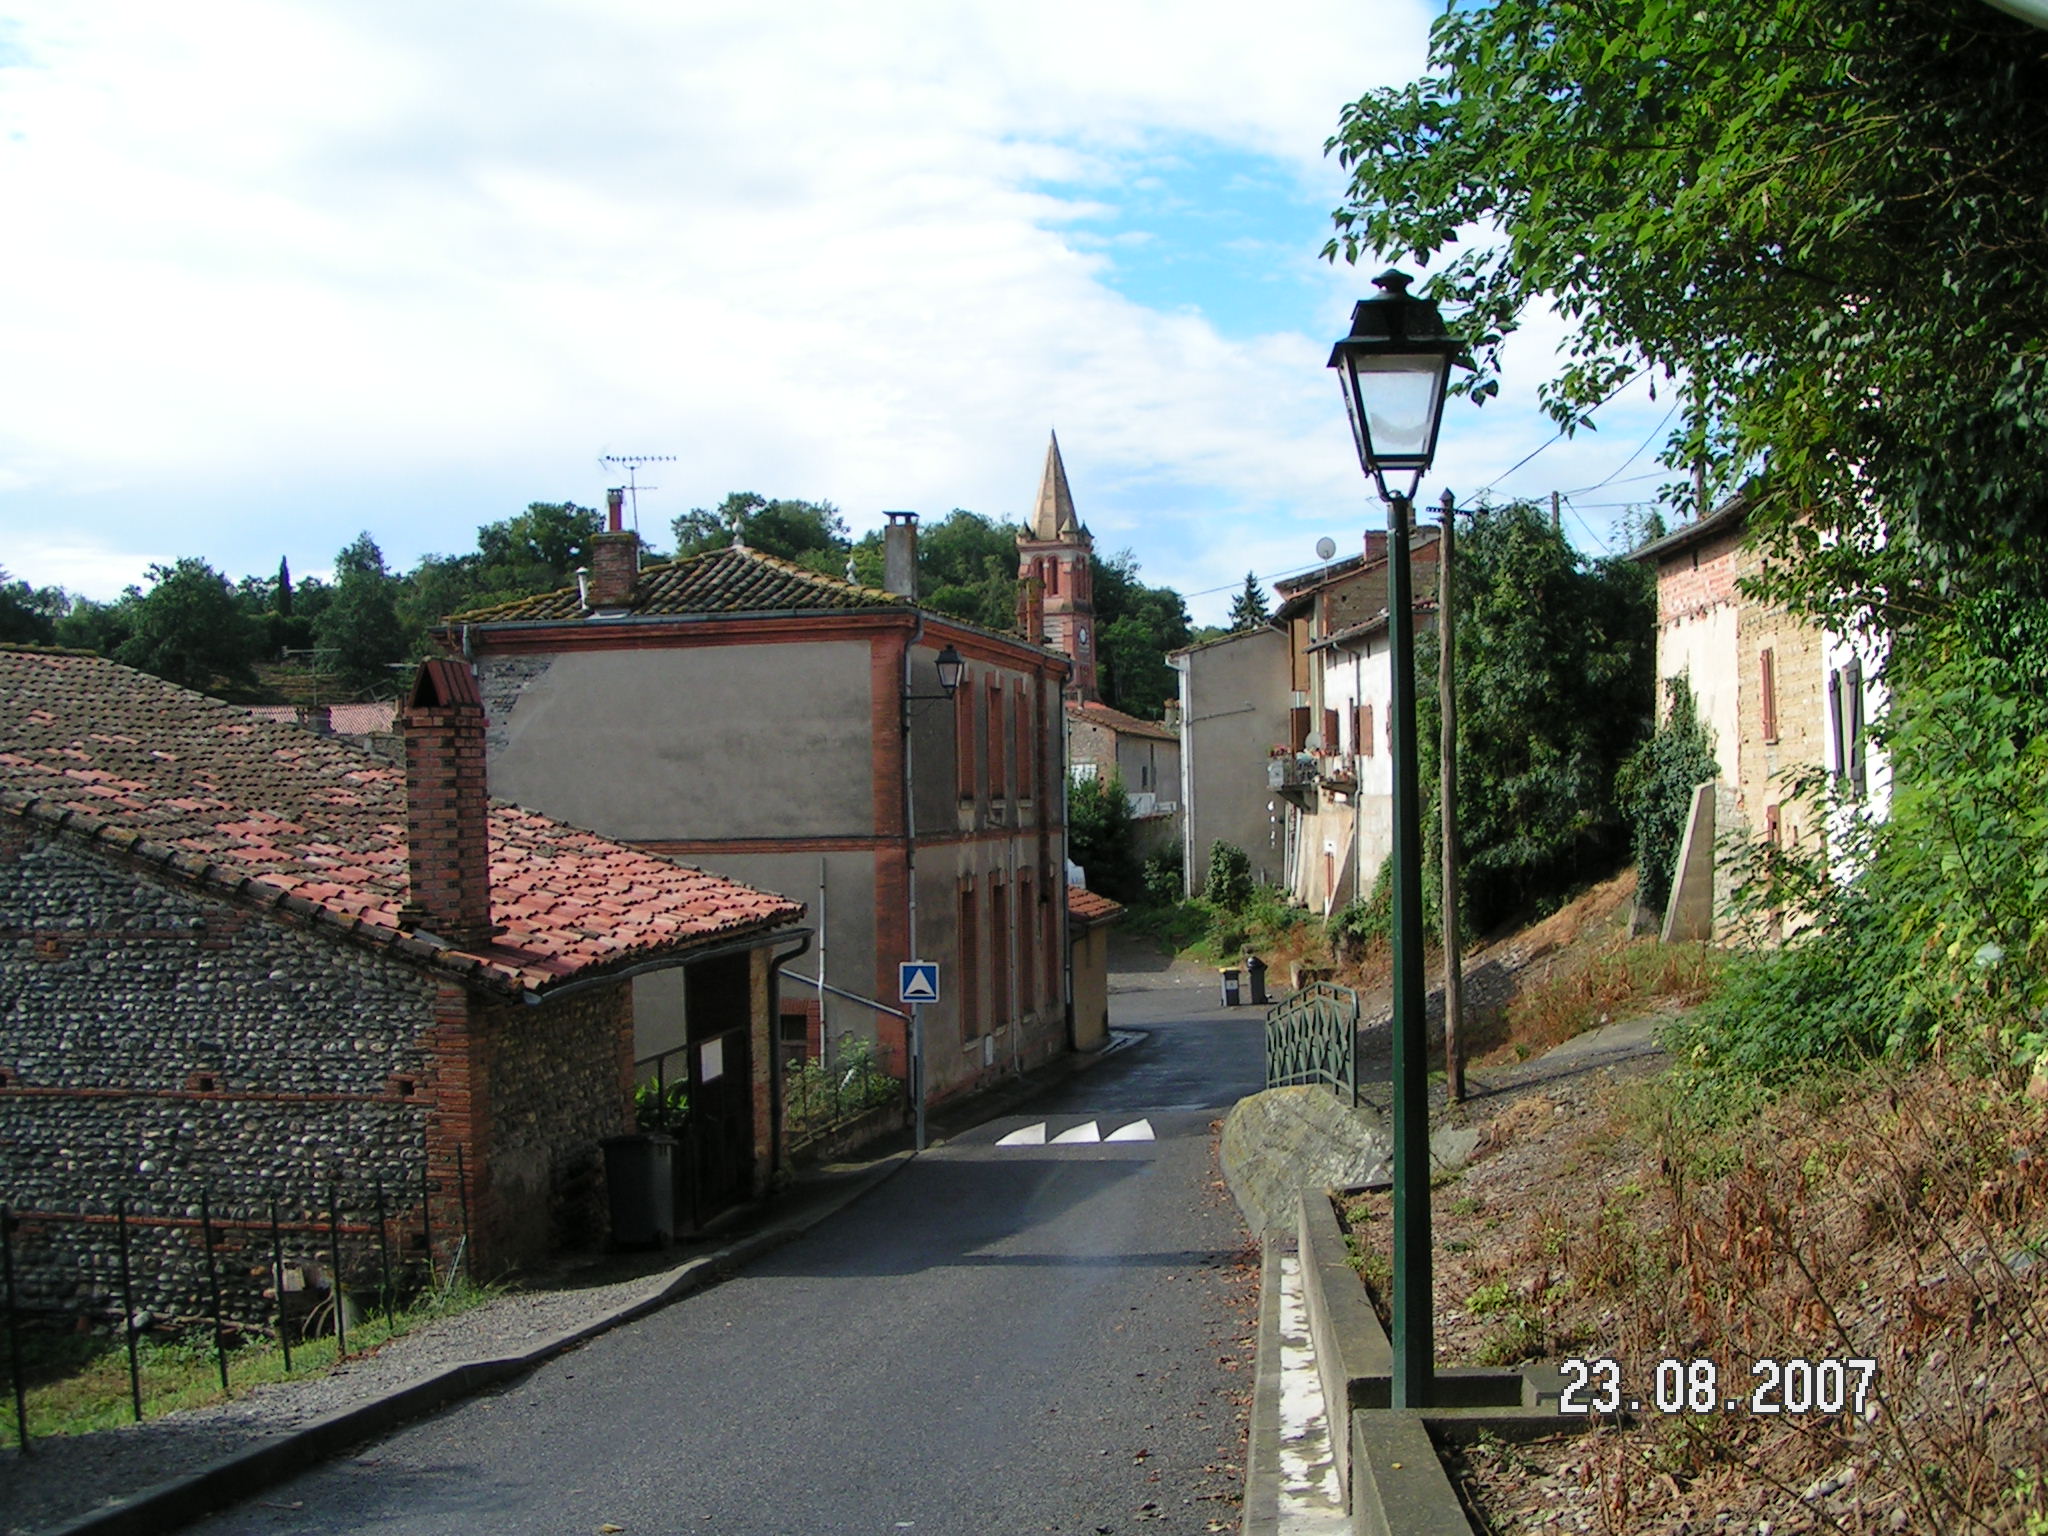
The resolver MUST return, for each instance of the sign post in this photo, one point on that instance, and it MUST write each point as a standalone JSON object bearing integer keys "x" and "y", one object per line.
{"x": 917, "y": 983}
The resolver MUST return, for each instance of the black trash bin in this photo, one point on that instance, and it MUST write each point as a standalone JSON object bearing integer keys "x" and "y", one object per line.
{"x": 1230, "y": 986}
{"x": 1255, "y": 978}
{"x": 639, "y": 1181}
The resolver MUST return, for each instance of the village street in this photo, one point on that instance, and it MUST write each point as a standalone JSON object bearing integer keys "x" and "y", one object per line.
{"x": 1001, "y": 1338}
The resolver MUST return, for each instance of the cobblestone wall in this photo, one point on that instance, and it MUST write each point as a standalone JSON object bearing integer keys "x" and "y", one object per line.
{"x": 157, "y": 1046}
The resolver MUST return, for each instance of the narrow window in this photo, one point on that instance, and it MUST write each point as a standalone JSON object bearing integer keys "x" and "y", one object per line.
{"x": 1852, "y": 684}
{"x": 1297, "y": 728}
{"x": 1767, "y": 678}
{"x": 969, "y": 931}
{"x": 964, "y": 737}
{"x": 1027, "y": 755}
{"x": 1027, "y": 948}
{"x": 998, "y": 951}
{"x": 1838, "y": 727}
{"x": 1773, "y": 832}
{"x": 998, "y": 778}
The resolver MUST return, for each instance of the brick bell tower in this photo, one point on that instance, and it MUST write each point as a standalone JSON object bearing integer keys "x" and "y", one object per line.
{"x": 1052, "y": 568}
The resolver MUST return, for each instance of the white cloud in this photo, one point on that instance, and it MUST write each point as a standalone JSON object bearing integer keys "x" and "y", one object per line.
{"x": 301, "y": 269}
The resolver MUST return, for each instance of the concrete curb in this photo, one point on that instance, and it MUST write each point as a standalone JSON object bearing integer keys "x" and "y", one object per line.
{"x": 182, "y": 1500}
{"x": 1262, "y": 1454}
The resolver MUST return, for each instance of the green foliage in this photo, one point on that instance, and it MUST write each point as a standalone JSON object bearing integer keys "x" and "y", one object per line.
{"x": 1248, "y": 609}
{"x": 1135, "y": 627}
{"x": 1816, "y": 218}
{"x": 1100, "y": 837}
{"x": 1164, "y": 878}
{"x": 29, "y": 615}
{"x": 966, "y": 566}
{"x": 359, "y": 630}
{"x": 1656, "y": 788}
{"x": 190, "y": 628}
{"x": 811, "y": 533}
{"x": 662, "y": 1108}
{"x": 1555, "y": 675}
{"x": 1229, "y": 883}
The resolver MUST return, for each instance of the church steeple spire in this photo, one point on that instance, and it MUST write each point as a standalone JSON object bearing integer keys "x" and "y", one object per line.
{"x": 1053, "y": 562}
{"x": 1054, "y": 518}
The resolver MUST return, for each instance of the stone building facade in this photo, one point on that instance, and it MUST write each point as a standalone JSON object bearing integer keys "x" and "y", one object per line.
{"x": 222, "y": 992}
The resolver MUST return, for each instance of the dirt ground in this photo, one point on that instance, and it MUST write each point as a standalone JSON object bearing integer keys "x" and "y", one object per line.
{"x": 1894, "y": 1219}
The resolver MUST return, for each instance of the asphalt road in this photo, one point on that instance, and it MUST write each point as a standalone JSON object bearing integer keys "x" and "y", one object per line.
{"x": 1002, "y": 1338}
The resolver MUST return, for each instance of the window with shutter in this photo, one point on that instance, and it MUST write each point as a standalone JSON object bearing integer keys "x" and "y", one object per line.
{"x": 1297, "y": 728}
{"x": 964, "y": 735}
{"x": 1330, "y": 742}
{"x": 969, "y": 984}
{"x": 1767, "y": 681}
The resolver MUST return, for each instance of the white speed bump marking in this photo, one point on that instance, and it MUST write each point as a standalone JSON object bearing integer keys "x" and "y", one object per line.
{"x": 1137, "y": 1130}
{"x": 1089, "y": 1132}
{"x": 1025, "y": 1136}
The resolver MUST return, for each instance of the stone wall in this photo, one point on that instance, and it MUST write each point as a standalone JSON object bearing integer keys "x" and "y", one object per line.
{"x": 159, "y": 1046}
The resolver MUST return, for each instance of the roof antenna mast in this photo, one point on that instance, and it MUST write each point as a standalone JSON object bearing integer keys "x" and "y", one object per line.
{"x": 633, "y": 461}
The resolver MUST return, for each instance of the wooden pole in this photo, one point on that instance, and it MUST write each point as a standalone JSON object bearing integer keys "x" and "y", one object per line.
{"x": 1447, "y": 794}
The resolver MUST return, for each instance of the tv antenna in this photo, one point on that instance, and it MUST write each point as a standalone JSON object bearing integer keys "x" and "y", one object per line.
{"x": 633, "y": 461}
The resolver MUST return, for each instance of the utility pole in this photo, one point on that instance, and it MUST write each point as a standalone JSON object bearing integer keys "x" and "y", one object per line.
{"x": 1556, "y": 513}
{"x": 1447, "y": 795}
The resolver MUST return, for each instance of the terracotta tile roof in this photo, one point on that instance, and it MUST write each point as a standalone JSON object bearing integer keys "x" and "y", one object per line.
{"x": 1121, "y": 723}
{"x": 1088, "y": 909}
{"x": 734, "y": 580}
{"x": 376, "y": 719}
{"x": 271, "y": 814}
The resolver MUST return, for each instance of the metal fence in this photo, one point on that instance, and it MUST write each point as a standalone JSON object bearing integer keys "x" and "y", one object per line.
{"x": 1313, "y": 1038}
{"x": 818, "y": 1100}
{"x": 278, "y": 1270}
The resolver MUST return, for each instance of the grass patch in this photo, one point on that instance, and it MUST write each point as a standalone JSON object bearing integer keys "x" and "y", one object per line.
{"x": 78, "y": 1382}
{"x": 1617, "y": 981}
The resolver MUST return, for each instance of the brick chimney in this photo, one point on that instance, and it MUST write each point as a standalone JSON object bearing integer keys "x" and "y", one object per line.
{"x": 1375, "y": 545}
{"x": 614, "y": 557}
{"x": 447, "y": 807}
{"x": 899, "y": 554}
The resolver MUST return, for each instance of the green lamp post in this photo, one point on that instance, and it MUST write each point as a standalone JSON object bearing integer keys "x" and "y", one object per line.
{"x": 1394, "y": 366}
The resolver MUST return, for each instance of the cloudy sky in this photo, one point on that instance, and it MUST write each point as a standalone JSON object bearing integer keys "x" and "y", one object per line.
{"x": 278, "y": 271}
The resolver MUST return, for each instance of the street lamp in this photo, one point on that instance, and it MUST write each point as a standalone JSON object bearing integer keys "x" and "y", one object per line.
{"x": 951, "y": 667}
{"x": 1393, "y": 367}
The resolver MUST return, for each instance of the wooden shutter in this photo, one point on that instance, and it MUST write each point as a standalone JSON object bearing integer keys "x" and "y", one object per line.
{"x": 1297, "y": 728}
{"x": 1361, "y": 731}
{"x": 1027, "y": 950}
{"x": 998, "y": 950}
{"x": 1767, "y": 680}
{"x": 964, "y": 735}
{"x": 998, "y": 777}
{"x": 1330, "y": 742}
{"x": 1027, "y": 754}
{"x": 969, "y": 930}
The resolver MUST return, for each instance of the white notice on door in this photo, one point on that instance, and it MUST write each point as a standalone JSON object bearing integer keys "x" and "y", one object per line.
{"x": 710, "y": 1061}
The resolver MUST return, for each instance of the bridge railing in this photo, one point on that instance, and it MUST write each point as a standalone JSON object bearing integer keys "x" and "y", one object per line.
{"x": 1312, "y": 1037}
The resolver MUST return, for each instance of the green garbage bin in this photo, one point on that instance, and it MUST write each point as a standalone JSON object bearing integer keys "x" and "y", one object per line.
{"x": 639, "y": 1181}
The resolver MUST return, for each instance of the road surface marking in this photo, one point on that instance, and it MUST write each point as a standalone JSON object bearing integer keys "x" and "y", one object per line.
{"x": 1089, "y": 1132}
{"x": 1137, "y": 1130}
{"x": 1025, "y": 1136}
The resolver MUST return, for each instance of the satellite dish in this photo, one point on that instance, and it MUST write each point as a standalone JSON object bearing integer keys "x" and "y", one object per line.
{"x": 1325, "y": 547}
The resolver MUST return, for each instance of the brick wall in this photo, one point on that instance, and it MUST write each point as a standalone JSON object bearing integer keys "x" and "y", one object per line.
{"x": 1767, "y": 757}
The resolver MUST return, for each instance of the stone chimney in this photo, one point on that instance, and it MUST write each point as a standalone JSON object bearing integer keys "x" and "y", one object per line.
{"x": 447, "y": 807}
{"x": 614, "y": 558}
{"x": 899, "y": 555}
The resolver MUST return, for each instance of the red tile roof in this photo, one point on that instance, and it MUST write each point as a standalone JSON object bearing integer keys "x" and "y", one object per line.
{"x": 1088, "y": 909}
{"x": 270, "y": 813}
{"x": 1121, "y": 723}
{"x": 733, "y": 580}
{"x": 375, "y": 719}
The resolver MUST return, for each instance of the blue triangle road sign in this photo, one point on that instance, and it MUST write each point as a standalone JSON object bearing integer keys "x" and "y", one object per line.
{"x": 917, "y": 981}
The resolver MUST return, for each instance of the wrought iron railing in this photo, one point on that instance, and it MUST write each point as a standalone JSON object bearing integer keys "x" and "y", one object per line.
{"x": 1313, "y": 1038}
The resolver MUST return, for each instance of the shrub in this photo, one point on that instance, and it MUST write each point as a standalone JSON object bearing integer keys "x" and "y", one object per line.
{"x": 1655, "y": 788}
{"x": 1229, "y": 885}
{"x": 1163, "y": 878}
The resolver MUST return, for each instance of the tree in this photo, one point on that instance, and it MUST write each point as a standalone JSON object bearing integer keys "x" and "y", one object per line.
{"x": 190, "y": 628}
{"x": 360, "y": 628}
{"x": 1555, "y": 675}
{"x": 811, "y": 533}
{"x": 1135, "y": 627}
{"x": 1656, "y": 789}
{"x": 1100, "y": 838}
{"x": 28, "y": 614}
{"x": 966, "y": 566}
{"x": 1818, "y": 220}
{"x": 1248, "y": 609}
